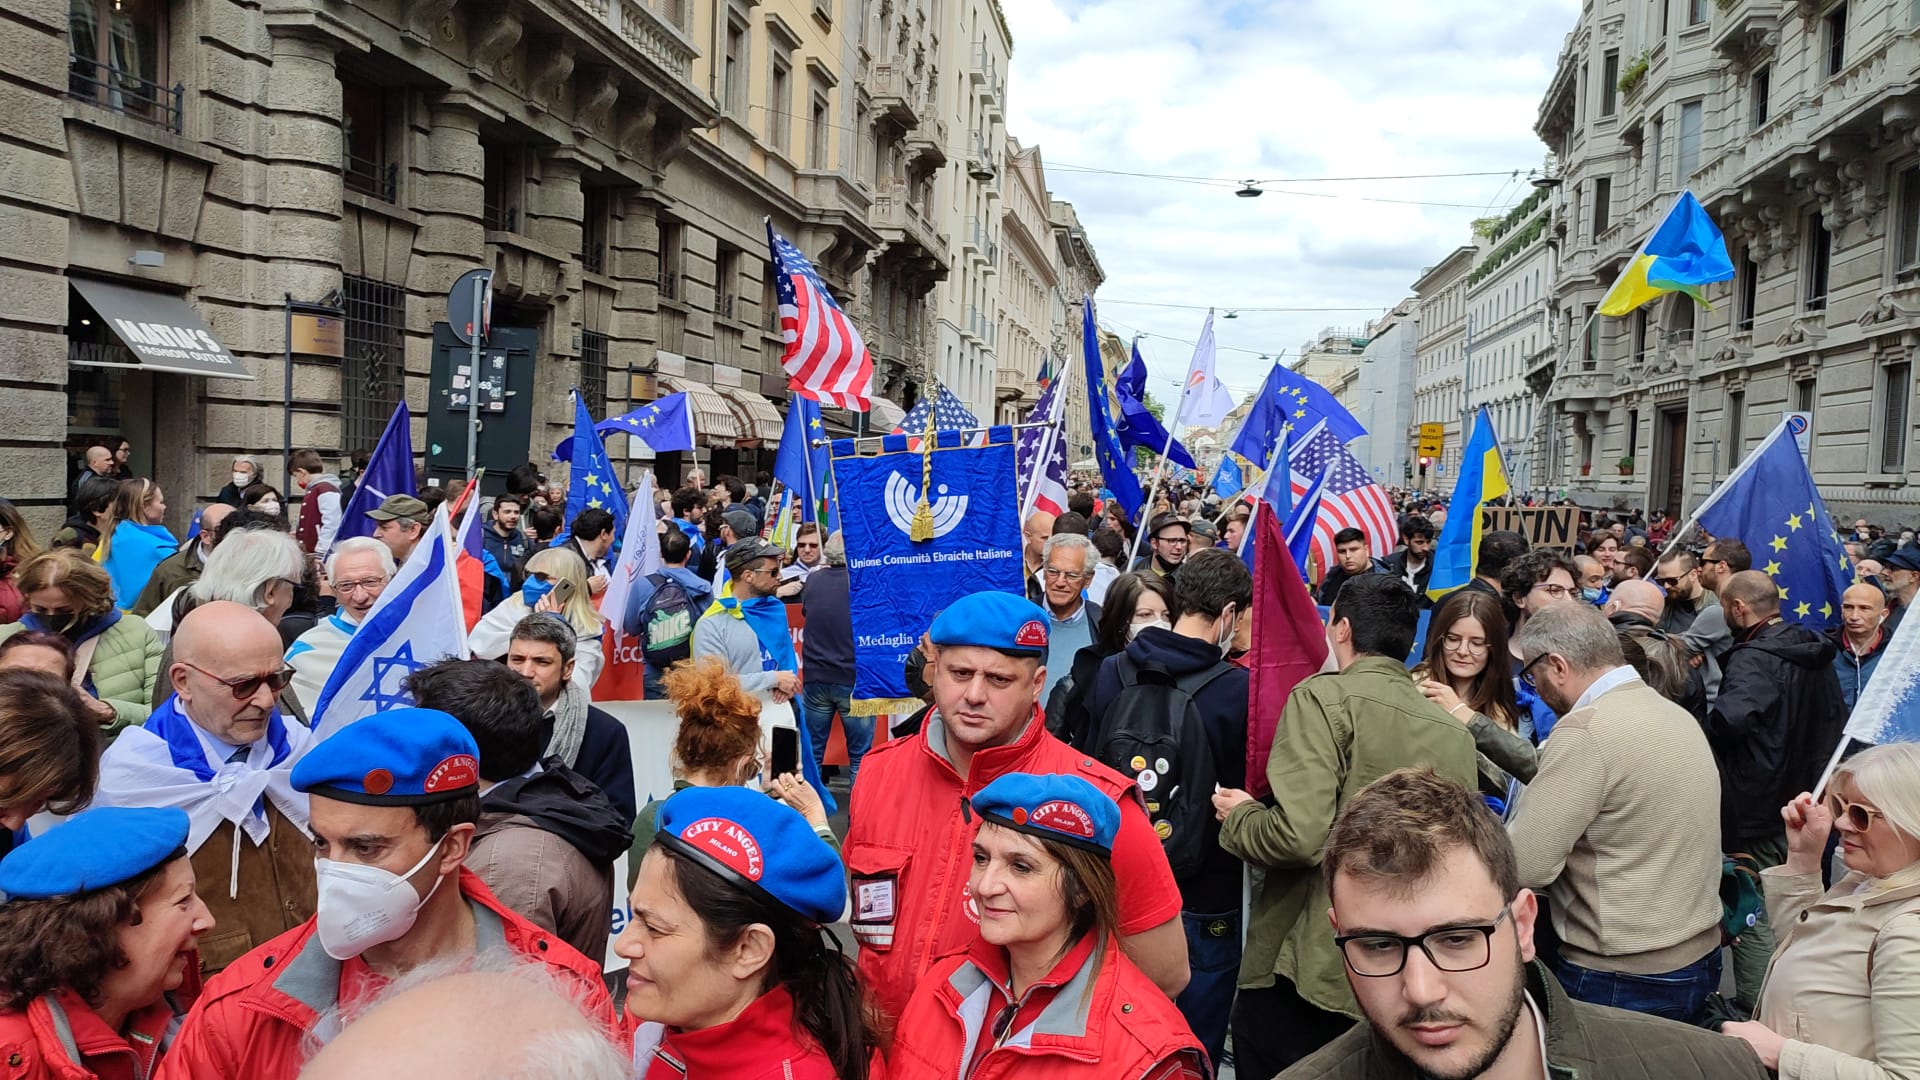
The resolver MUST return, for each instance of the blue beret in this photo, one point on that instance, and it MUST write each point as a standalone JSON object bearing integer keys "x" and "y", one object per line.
{"x": 757, "y": 844}
{"x": 92, "y": 850}
{"x": 1052, "y": 807}
{"x": 1902, "y": 559}
{"x": 401, "y": 757}
{"x": 993, "y": 620}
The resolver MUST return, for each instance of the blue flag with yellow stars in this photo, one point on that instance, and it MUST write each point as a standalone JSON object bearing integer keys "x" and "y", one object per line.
{"x": 1771, "y": 505}
{"x": 1115, "y": 463}
{"x": 1288, "y": 397}
{"x": 591, "y": 482}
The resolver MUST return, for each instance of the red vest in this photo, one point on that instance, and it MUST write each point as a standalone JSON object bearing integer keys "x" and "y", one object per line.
{"x": 909, "y": 849}
{"x": 59, "y": 1037}
{"x": 1095, "y": 1016}
{"x": 252, "y": 1018}
{"x": 761, "y": 1043}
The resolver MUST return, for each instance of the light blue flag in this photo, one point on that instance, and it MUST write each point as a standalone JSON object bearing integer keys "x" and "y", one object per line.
{"x": 1228, "y": 479}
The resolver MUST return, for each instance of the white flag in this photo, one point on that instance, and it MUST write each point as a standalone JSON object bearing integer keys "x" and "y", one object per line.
{"x": 639, "y": 556}
{"x": 416, "y": 622}
{"x": 1205, "y": 401}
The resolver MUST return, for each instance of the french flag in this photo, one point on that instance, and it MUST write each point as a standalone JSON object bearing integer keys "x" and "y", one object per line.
{"x": 469, "y": 567}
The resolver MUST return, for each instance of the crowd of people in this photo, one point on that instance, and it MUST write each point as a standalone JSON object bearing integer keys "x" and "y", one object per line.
{"x": 1523, "y": 845}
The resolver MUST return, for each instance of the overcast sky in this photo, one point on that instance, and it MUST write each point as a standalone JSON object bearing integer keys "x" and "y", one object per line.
{"x": 1274, "y": 89}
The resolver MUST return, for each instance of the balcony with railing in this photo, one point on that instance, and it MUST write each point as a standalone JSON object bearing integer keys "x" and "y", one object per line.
{"x": 126, "y": 93}
{"x": 652, "y": 29}
{"x": 893, "y": 93}
{"x": 899, "y": 221}
{"x": 927, "y": 143}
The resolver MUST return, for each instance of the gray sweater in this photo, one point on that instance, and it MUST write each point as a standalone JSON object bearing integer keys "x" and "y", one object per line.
{"x": 734, "y": 642}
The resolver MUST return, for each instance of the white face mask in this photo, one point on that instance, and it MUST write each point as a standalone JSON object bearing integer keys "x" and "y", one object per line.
{"x": 363, "y": 906}
{"x": 267, "y": 506}
{"x": 241, "y": 479}
{"x": 1134, "y": 630}
{"x": 1231, "y": 617}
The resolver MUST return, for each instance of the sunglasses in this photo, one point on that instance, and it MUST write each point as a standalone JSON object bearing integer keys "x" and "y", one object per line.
{"x": 1667, "y": 583}
{"x": 245, "y": 686}
{"x": 1858, "y": 816}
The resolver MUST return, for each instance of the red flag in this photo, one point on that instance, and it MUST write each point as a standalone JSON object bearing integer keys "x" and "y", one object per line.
{"x": 1290, "y": 645}
{"x": 468, "y": 567}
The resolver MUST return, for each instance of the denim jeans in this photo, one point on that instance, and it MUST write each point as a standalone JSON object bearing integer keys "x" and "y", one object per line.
{"x": 1213, "y": 960}
{"x": 1676, "y": 995}
{"x": 818, "y": 702}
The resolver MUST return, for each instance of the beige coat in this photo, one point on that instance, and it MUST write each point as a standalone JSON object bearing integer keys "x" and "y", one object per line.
{"x": 1844, "y": 983}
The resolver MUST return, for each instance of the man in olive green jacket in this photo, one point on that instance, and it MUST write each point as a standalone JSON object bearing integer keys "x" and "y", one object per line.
{"x": 1338, "y": 733}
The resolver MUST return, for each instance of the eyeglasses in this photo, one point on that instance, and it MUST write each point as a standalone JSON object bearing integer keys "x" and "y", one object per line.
{"x": 1526, "y": 673}
{"x": 1558, "y": 592}
{"x": 1452, "y": 948}
{"x": 245, "y": 686}
{"x": 1054, "y": 574}
{"x": 1714, "y": 562}
{"x": 1857, "y": 815}
{"x": 372, "y": 585}
{"x": 1456, "y": 643}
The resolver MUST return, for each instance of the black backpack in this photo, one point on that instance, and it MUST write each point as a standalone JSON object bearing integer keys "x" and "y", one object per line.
{"x": 666, "y": 623}
{"x": 1154, "y": 735}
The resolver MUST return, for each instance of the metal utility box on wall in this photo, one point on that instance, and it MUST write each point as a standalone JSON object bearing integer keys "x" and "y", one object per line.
{"x": 506, "y": 404}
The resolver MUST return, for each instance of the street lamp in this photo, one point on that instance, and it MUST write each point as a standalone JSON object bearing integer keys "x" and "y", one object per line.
{"x": 1249, "y": 190}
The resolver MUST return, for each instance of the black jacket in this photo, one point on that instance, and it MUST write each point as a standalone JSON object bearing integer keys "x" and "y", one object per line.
{"x": 1779, "y": 715}
{"x": 511, "y": 552}
{"x": 568, "y": 805}
{"x": 1396, "y": 564}
{"x": 1215, "y": 887}
{"x": 826, "y": 650}
{"x": 1066, "y": 710}
{"x": 606, "y": 758}
{"x": 1336, "y": 577}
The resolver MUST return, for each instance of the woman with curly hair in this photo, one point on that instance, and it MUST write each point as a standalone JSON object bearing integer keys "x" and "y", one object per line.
{"x": 719, "y": 745}
{"x": 97, "y": 945}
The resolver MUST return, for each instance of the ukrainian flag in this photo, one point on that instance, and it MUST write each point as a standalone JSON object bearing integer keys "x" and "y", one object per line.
{"x": 1683, "y": 254}
{"x": 1482, "y": 479}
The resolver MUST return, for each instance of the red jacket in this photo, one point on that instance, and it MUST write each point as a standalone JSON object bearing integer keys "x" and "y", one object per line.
{"x": 252, "y": 1017}
{"x": 59, "y": 1037}
{"x": 1095, "y": 1016}
{"x": 759, "y": 1044}
{"x": 910, "y": 852}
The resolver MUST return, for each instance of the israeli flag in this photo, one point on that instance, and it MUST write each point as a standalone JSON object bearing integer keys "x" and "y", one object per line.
{"x": 416, "y": 621}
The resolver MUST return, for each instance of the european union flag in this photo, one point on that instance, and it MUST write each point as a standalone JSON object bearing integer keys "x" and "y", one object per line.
{"x": 1288, "y": 397}
{"x": 591, "y": 483}
{"x": 1114, "y": 464}
{"x": 800, "y": 466}
{"x": 1771, "y": 505}
{"x": 1136, "y": 425}
{"x": 665, "y": 426}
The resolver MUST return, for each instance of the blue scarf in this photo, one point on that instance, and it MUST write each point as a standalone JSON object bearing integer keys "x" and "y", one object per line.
{"x": 768, "y": 617}
{"x": 131, "y": 556}
{"x": 176, "y": 730}
{"x": 79, "y": 633}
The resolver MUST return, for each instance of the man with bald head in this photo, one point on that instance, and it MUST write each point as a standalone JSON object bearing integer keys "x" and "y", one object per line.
{"x": 1033, "y": 552}
{"x": 182, "y": 568}
{"x": 1862, "y": 637}
{"x": 1777, "y": 719}
{"x": 1634, "y": 602}
{"x": 219, "y": 749}
{"x": 437, "y": 1024}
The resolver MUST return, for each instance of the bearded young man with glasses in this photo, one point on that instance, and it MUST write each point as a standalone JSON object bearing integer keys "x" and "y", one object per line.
{"x": 357, "y": 571}
{"x": 219, "y": 749}
{"x": 1435, "y": 929}
{"x": 1619, "y": 824}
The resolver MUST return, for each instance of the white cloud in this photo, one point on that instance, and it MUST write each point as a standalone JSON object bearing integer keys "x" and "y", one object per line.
{"x": 1269, "y": 89}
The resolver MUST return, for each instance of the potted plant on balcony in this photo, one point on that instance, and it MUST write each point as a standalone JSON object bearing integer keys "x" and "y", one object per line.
{"x": 1626, "y": 465}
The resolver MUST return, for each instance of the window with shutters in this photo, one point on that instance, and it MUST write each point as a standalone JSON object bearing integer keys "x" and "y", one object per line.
{"x": 1896, "y": 415}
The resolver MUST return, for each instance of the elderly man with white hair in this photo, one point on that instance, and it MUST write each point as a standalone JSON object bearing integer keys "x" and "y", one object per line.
{"x": 1066, "y": 569}
{"x": 358, "y": 569}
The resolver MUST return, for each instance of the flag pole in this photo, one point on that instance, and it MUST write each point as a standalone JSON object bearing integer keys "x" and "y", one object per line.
{"x": 1253, "y": 519}
{"x": 1152, "y": 491}
{"x": 1713, "y": 498}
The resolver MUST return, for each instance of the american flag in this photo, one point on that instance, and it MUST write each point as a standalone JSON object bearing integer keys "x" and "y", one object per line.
{"x": 1040, "y": 456}
{"x": 825, "y": 357}
{"x": 948, "y": 415}
{"x": 1350, "y": 500}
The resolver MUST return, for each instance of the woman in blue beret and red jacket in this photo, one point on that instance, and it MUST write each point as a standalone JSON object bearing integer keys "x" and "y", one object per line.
{"x": 1044, "y": 991}
{"x": 97, "y": 956}
{"x": 732, "y": 974}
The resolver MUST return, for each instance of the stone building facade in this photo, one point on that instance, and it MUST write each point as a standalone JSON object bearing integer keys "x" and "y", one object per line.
{"x": 1796, "y": 124}
{"x": 1080, "y": 276}
{"x": 1507, "y": 308}
{"x": 972, "y": 101}
{"x": 1030, "y": 297}
{"x": 1439, "y": 388}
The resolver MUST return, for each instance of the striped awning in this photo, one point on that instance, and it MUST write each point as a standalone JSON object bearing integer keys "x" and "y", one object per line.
{"x": 752, "y": 414}
{"x": 713, "y": 421}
